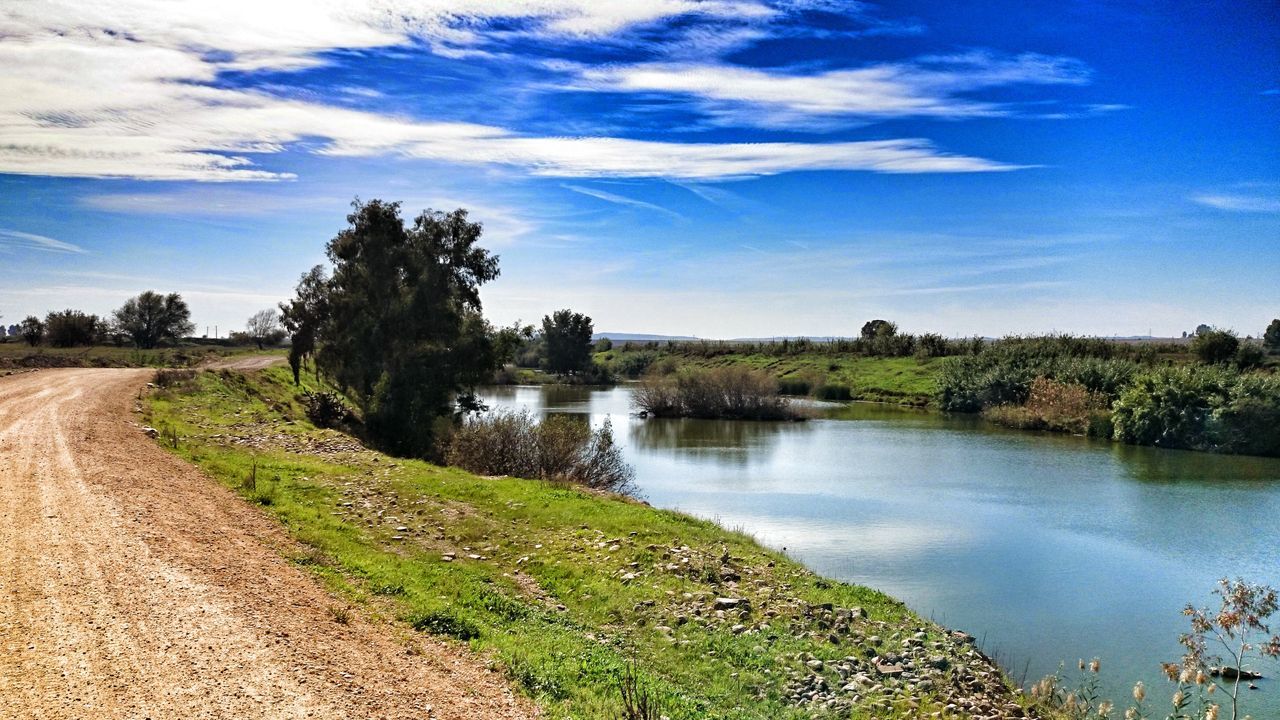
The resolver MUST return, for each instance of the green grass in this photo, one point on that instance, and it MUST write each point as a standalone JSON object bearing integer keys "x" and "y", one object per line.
{"x": 566, "y": 589}
{"x": 883, "y": 379}
{"x": 15, "y": 354}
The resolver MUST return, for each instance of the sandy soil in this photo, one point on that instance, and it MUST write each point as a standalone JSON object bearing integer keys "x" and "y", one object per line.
{"x": 132, "y": 586}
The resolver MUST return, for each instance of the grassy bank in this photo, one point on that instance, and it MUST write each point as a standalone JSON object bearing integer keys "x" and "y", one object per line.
{"x": 903, "y": 380}
{"x": 565, "y": 589}
{"x": 14, "y": 355}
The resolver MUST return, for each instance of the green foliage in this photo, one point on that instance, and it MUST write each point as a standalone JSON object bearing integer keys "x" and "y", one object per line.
{"x": 1201, "y": 408}
{"x": 71, "y": 328}
{"x": 151, "y": 319}
{"x": 402, "y": 329}
{"x": 303, "y": 315}
{"x": 1215, "y": 346}
{"x": 326, "y": 409}
{"x": 1249, "y": 355}
{"x": 567, "y": 337}
{"x": 834, "y": 393}
{"x": 445, "y": 623}
{"x": 1271, "y": 337}
{"x": 32, "y": 330}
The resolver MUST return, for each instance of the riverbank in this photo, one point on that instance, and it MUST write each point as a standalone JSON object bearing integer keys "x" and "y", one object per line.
{"x": 565, "y": 590}
{"x": 897, "y": 380}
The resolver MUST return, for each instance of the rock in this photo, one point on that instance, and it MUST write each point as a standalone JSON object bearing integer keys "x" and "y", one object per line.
{"x": 815, "y": 665}
{"x": 150, "y": 432}
{"x": 725, "y": 603}
{"x": 889, "y": 670}
{"x": 1230, "y": 673}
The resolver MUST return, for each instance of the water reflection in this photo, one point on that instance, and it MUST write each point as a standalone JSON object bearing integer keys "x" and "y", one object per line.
{"x": 725, "y": 437}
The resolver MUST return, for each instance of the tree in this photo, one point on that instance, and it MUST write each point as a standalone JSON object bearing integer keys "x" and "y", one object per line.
{"x": 151, "y": 318}
{"x": 874, "y": 329}
{"x": 69, "y": 328}
{"x": 567, "y": 335}
{"x": 1271, "y": 338}
{"x": 1202, "y": 329}
{"x": 32, "y": 330}
{"x": 264, "y": 327}
{"x": 1215, "y": 346}
{"x": 303, "y": 315}
{"x": 402, "y": 331}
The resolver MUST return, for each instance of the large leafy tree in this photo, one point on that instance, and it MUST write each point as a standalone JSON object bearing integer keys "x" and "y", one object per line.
{"x": 151, "y": 318}
{"x": 403, "y": 331}
{"x": 567, "y": 335}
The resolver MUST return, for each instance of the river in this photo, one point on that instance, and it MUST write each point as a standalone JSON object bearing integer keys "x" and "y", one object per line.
{"x": 1048, "y": 548}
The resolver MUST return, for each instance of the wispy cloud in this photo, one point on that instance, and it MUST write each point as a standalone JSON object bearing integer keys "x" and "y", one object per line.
{"x": 18, "y": 240}
{"x": 934, "y": 86}
{"x": 130, "y": 88}
{"x": 1240, "y": 203}
{"x": 622, "y": 200}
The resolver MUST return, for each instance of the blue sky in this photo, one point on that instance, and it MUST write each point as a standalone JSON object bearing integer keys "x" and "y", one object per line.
{"x": 720, "y": 168}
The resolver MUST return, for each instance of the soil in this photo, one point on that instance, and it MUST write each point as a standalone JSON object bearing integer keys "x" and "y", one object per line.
{"x": 133, "y": 586}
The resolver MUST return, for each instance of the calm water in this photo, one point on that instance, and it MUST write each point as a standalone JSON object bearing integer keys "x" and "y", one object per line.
{"x": 1047, "y": 548}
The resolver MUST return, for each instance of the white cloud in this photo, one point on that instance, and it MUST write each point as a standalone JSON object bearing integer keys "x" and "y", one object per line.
{"x": 126, "y": 88}
{"x": 1240, "y": 203}
{"x": 15, "y": 239}
{"x": 927, "y": 87}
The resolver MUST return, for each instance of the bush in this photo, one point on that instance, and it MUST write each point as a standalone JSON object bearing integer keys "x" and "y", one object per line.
{"x": 1249, "y": 356}
{"x": 169, "y": 377}
{"x": 1248, "y": 421}
{"x": 732, "y": 393}
{"x": 1169, "y": 407}
{"x": 70, "y": 328}
{"x": 326, "y": 409}
{"x": 1056, "y": 406}
{"x": 558, "y": 448}
{"x": 1215, "y": 346}
{"x": 794, "y": 386}
{"x": 834, "y": 393}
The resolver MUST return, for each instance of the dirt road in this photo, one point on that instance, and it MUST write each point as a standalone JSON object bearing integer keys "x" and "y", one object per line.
{"x": 132, "y": 586}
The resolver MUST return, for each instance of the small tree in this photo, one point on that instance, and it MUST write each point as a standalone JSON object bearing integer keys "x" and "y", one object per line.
{"x": 1240, "y": 627}
{"x": 568, "y": 338}
{"x": 303, "y": 315}
{"x": 32, "y": 330}
{"x": 151, "y": 318}
{"x": 69, "y": 328}
{"x": 1215, "y": 346}
{"x": 875, "y": 329}
{"x": 263, "y": 327}
{"x": 1271, "y": 338}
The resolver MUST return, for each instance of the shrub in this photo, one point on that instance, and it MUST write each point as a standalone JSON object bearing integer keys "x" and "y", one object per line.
{"x": 558, "y": 448}
{"x": 69, "y": 328}
{"x": 1215, "y": 346}
{"x": 1057, "y": 406}
{"x": 325, "y": 409}
{"x": 635, "y": 364}
{"x": 167, "y": 378}
{"x": 1169, "y": 407}
{"x": 1249, "y": 356}
{"x": 1248, "y": 421}
{"x": 794, "y": 386}
{"x": 835, "y": 393}
{"x": 733, "y": 393}
{"x": 445, "y": 623}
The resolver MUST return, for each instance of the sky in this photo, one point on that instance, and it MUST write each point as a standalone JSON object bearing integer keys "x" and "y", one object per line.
{"x": 716, "y": 168}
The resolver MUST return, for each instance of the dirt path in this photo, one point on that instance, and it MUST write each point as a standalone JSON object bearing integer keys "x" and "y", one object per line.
{"x": 132, "y": 586}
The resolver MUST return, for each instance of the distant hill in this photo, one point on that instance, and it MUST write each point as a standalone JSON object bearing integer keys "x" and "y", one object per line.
{"x": 639, "y": 337}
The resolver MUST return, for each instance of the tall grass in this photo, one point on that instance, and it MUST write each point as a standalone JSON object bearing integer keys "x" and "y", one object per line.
{"x": 557, "y": 448}
{"x": 731, "y": 393}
